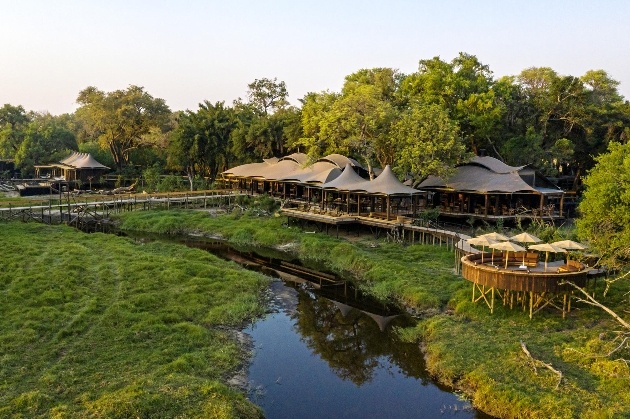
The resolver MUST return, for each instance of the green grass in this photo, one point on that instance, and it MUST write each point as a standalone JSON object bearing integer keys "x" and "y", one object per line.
{"x": 97, "y": 325}
{"x": 420, "y": 276}
{"x": 465, "y": 346}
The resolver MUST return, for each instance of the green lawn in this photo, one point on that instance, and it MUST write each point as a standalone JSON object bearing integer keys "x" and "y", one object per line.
{"x": 96, "y": 325}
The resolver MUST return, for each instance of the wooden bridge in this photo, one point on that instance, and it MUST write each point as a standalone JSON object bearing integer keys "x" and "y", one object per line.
{"x": 92, "y": 211}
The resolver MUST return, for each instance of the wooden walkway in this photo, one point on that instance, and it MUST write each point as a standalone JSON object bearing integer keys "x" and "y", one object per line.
{"x": 96, "y": 208}
{"x": 401, "y": 228}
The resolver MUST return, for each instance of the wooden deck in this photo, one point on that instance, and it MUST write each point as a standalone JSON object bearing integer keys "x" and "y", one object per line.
{"x": 535, "y": 287}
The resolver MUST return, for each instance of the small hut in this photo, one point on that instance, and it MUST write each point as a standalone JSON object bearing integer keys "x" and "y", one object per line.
{"x": 77, "y": 167}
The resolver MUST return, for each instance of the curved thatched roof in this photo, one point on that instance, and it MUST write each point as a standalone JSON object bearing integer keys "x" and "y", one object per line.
{"x": 340, "y": 160}
{"x": 88, "y": 162}
{"x": 318, "y": 172}
{"x": 249, "y": 170}
{"x": 487, "y": 175}
{"x": 494, "y": 165}
{"x": 299, "y": 158}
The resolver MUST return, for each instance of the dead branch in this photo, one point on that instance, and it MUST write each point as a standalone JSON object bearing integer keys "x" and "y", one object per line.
{"x": 590, "y": 300}
{"x": 541, "y": 363}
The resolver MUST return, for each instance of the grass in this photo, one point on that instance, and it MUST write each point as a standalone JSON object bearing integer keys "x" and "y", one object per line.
{"x": 97, "y": 325}
{"x": 465, "y": 346}
{"x": 420, "y": 276}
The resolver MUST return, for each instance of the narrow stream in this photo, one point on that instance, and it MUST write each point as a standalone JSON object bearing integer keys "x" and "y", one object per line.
{"x": 326, "y": 352}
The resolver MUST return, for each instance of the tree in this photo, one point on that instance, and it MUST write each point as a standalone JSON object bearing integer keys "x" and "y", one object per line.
{"x": 359, "y": 123}
{"x": 47, "y": 139}
{"x": 267, "y": 96}
{"x": 13, "y": 121}
{"x": 355, "y": 122}
{"x": 201, "y": 142}
{"x": 605, "y": 208}
{"x": 463, "y": 87}
{"x": 263, "y": 121}
{"x": 315, "y": 107}
{"x": 605, "y": 222}
{"x": 429, "y": 142}
{"x": 121, "y": 120}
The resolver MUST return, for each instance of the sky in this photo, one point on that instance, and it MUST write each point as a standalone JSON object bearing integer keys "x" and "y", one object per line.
{"x": 188, "y": 51}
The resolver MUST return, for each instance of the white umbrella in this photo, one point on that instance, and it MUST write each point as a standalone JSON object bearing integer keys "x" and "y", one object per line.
{"x": 508, "y": 247}
{"x": 494, "y": 236}
{"x": 569, "y": 245}
{"x": 481, "y": 241}
{"x": 546, "y": 247}
{"x": 525, "y": 238}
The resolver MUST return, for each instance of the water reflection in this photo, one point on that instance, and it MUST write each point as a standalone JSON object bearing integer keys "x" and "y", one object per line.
{"x": 327, "y": 351}
{"x": 316, "y": 357}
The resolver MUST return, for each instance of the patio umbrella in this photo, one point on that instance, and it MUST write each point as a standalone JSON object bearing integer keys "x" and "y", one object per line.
{"x": 569, "y": 245}
{"x": 481, "y": 241}
{"x": 508, "y": 247}
{"x": 546, "y": 247}
{"x": 495, "y": 236}
{"x": 525, "y": 238}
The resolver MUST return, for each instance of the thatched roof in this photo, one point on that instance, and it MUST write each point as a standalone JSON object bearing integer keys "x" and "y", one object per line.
{"x": 388, "y": 184}
{"x": 294, "y": 168}
{"x": 489, "y": 175}
{"x": 82, "y": 161}
{"x": 349, "y": 180}
{"x": 318, "y": 172}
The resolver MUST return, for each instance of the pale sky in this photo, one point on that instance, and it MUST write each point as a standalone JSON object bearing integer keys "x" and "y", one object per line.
{"x": 189, "y": 51}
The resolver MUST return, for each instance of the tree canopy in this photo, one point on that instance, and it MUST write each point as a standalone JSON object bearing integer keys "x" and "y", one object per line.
{"x": 121, "y": 120}
{"x": 605, "y": 209}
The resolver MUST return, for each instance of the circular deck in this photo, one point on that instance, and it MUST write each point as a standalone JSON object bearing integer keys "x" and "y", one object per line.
{"x": 535, "y": 286}
{"x": 531, "y": 279}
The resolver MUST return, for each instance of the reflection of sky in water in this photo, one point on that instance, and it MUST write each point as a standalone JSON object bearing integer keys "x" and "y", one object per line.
{"x": 288, "y": 381}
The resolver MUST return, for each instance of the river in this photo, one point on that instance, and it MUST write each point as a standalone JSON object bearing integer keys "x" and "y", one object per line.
{"x": 325, "y": 351}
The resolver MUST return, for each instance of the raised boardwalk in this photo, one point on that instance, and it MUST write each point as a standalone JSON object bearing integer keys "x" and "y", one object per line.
{"x": 93, "y": 207}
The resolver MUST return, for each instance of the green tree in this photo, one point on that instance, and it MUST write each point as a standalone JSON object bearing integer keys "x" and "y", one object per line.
{"x": 47, "y": 139}
{"x": 264, "y": 122}
{"x": 267, "y": 96}
{"x": 605, "y": 208}
{"x": 605, "y": 222}
{"x": 13, "y": 121}
{"x": 357, "y": 121}
{"x": 201, "y": 142}
{"x": 463, "y": 87}
{"x": 315, "y": 107}
{"x": 359, "y": 124}
{"x": 122, "y": 121}
{"x": 429, "y": 142}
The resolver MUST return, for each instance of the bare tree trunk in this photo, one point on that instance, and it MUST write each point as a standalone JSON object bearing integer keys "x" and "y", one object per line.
{"x": 191, "y": 176}
{"x": 590, "y": 300}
